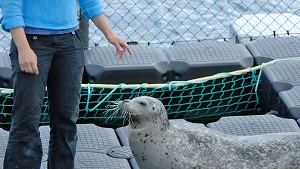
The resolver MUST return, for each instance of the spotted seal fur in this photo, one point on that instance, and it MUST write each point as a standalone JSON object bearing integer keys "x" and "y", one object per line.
{"x": 159, "y": 144}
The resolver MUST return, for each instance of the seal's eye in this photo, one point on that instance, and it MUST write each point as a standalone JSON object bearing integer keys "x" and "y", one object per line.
{"x": 143, "y": 103}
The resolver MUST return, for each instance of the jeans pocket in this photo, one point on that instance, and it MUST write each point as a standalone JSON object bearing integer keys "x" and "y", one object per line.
{"x": 77, "y": 61}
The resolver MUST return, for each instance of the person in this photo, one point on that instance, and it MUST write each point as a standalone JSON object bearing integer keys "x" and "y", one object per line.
{"x": 46, "y": 55}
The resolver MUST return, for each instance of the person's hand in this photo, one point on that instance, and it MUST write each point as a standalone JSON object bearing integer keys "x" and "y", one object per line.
{"x": 120, "y": 44}
{"x": 28, "y": 61}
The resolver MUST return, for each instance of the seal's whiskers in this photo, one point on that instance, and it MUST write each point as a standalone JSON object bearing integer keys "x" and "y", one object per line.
{"x": 124, "y": 113}
{"x": 109, "y": 110}
{"x": 114, "y": 111}
{"x": 113, "y": 107}
{"x": 130, "y": 120}
{"x": 113, "y": 114}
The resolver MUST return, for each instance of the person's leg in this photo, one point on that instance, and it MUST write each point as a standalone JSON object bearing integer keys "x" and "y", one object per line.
{"x": 64, "y": 85}
{"x": 24, "y": 149}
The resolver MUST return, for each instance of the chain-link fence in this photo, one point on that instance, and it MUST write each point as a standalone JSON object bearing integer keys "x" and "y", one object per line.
{"x": 161, "y": 23}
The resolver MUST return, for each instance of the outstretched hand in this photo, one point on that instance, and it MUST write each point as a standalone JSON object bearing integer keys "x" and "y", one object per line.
{"x": 101, "y": 22}
{"x": 120, "y": 45}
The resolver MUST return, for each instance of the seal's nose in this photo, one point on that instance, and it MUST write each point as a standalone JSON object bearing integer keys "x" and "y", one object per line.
{"x": 123, "y": 102}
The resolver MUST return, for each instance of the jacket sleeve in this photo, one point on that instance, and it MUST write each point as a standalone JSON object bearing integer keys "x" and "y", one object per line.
{"x": 91, "y": 8}
{"x": 12, "y": 15}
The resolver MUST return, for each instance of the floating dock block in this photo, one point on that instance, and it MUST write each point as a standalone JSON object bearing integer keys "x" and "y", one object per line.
{"x": 281, "y": 76}
{"x": 1, "y": 161}
{"x": 254, "y": 125}
{"x": 146, "y": 65}
{"x": 248, "y": 28}
{"x": 92, "y": 160}
{"x": 3, "y": 143}
{"x": 268, "y": 49}
{"x": 202, "y": 59}
{"x": 289, "y": 103}
{"x": 195, "y": 60}
{"x": 94, "y": 147}
{"x": 5, "y": 71}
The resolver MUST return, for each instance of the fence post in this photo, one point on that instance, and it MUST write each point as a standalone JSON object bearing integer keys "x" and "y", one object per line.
{"x": 84, "y": 27}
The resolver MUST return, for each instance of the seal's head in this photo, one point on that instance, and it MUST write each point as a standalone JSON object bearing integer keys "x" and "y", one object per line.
{"x": 145, "y": 112}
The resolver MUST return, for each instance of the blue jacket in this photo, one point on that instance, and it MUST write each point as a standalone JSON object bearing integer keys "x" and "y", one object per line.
{"x": 46, "y": 14}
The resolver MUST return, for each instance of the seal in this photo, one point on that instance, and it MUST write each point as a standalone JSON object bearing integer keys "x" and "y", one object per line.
{"x": 158, "y": 143}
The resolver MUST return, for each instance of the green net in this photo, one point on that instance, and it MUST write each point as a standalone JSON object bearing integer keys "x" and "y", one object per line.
{"x": 221, "y": 94}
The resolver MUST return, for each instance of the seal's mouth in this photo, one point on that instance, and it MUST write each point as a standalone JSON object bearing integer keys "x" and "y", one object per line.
{"x": 122, "y": 108}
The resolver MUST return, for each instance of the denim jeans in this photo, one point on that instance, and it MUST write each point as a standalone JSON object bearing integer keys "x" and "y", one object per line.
{"x": 60, "y": 63}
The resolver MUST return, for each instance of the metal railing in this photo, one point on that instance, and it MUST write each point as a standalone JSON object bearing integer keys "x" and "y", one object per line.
{"x": 161, "y": 23}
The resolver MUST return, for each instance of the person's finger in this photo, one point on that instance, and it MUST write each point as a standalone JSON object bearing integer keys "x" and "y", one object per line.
{"x": 22, "y": 68}
{"x": 129, "y": 50}
{"x": 35, "y": 69}
{"x": 118, "y": 53}
{"x": 28, "y": 68}
{"x": 118, "y": 46}
{"x": 126, "y": 46}
{"x": 123, "y": 52}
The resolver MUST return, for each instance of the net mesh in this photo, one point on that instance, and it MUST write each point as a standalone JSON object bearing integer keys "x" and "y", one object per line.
{"x": 221, "y": 94}
{"x": 162, "y": 23}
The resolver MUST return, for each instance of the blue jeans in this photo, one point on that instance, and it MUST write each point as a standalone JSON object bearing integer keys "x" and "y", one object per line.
{"x": 60, "y": 64}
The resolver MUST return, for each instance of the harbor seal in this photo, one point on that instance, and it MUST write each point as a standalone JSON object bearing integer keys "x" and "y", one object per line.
{"x": 157, "y": 143}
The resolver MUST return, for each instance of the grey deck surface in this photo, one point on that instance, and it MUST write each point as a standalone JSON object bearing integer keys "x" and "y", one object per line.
{"x": 195, "y": 60}
{"x": 289, "y": 102}
{"x": 5, "y": 60}
{"x": 3, "y": 143}
{"x": 91, "y": 160}
{"x": 102, "y": 66}
{"x": 99, "y": 148}
{"x": 93, "y": 147}
{"x": 1, "y": 161}
{"x": 267, "y": 49}
{"x": 254, "y": 125}
{"x": 90, "y": 138}
{"x": 5, "y": 70}
{"x": 281, "y": 76}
